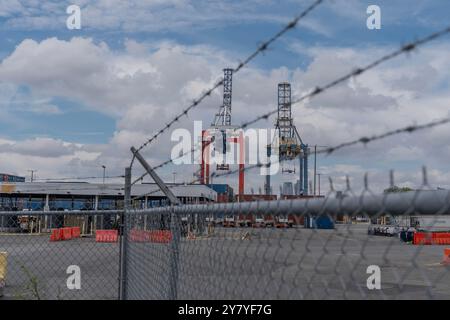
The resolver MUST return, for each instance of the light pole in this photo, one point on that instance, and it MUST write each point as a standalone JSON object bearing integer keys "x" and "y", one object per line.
{"x": 32, "y": 174}
{"x": 104, "y": 173}
{"x": 319, "y": 174}
{"x": 315, "y": 166}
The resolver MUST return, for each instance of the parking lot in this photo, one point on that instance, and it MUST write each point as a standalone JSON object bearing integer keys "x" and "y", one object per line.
{"x": 233, "y": 263}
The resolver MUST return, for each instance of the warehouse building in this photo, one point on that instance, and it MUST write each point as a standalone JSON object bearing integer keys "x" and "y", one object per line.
{"x": 4, "y": 177}
{"x": 60, "y": 196}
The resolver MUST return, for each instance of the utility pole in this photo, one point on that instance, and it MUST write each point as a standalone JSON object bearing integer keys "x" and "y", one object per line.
{"x": 315, "y": 167}
{"x": 104, "y": 173}
{"x": 32, "y": 174}
{"x": 319, "y": 174}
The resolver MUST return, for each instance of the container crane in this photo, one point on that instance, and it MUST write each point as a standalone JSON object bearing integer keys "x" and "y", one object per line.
{"x": 222, "y": 123}
{"x": 290, "y": 144}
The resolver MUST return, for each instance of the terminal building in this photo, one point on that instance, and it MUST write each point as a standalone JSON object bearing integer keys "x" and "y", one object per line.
{"x": 61, "y": 196}
{"x": 4, "y": 177}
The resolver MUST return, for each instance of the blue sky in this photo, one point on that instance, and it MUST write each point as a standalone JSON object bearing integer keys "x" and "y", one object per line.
{"x": 401, "y": 22}
{"x": 214, "y": 34}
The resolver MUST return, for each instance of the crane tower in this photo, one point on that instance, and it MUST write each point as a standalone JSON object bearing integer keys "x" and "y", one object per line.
{"x": 223, "y": 117}
{"x": 291, "y": 145}
{"x": 222, "y": 120}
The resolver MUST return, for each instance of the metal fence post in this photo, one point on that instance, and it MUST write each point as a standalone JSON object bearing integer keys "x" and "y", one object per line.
{"x": 123, "y": 237}
{"x": 174, "y": 254}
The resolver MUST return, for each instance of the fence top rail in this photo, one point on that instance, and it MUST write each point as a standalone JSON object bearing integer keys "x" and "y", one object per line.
{"x": 423, "y": 202}
{"x": 65, "y": 213}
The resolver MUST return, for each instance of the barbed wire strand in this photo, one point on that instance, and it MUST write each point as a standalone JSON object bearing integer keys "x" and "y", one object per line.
{"x": 356, "y": 72}
{"x": 261, "y": 48}
{"x": 319, "y": 90}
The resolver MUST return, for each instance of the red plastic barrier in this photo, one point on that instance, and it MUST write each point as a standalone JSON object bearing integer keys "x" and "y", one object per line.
{"x": 65, "y": 233}
{"x": 106, "y": 236}
{"x": 139, "y": 236}
{"x": 441, "y": 238}
{"x": 55, "y": 235}
{"x": 76, "y": 232}
{"x": 157, "y": 236}
{"x": 161, "y": 236}
{"x": 430, "y": 238}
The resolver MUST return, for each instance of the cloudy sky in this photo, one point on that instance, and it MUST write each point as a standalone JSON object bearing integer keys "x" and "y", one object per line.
{"x": 73, "y": 100}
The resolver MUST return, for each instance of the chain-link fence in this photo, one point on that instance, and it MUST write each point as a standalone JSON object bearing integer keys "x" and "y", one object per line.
{"x": 43, "y": 253}
{"x": 340, "y": 246}
{"x": 323, "y": 248}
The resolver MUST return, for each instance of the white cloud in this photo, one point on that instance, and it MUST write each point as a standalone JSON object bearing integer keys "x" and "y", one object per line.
{"x": 39, "y": 147}
{"x": 144, "y": 85}
{"x": 9, "y": 7}
{"x": 146, "y": 16}
{"x": 107, "y": 81}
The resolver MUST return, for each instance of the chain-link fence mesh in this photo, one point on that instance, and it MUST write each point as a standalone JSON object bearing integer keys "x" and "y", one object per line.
{"x": 316, "y": 248}
{"x": 41, "y": 253}
{"x": 322, "y": 248}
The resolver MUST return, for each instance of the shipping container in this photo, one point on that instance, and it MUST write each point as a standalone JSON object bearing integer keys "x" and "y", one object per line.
{"x": 223, "y": 198}
{"x": 269, "y": 220}
{"x": 258, "y": 221}
{"x": 294, "y": 197}
{"x": 229, "y": 222}
{"x": 284, "y": 222}
{"x": 319, "y": 222}
{"x": 298, "y": 220}
{"x": 242, "y": 220}
{"x": 255, "y": 197}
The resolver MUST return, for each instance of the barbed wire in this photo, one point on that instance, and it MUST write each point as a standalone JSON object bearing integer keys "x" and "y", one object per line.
{"x": 329, "y": 150}
{"x": 362, "y": 140}
{"x": 356, "y": 72}
{"x": 319, "y": 90}
{"x": 261, "y": 48}
{"x": 366, "y": 140}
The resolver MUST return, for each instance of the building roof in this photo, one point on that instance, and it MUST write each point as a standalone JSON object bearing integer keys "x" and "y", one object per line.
{"x": 93, "y": 189}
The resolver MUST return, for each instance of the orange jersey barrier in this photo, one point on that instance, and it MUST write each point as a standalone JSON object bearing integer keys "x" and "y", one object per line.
{"x": 65, "y": 233}
{"x": 430, "y": 238}
{"x": 161, "y": 236}
{"x": 76, "y": 232}
{"x": 55, "y": 235}
{"x": 139, "y": 235}
{"x": 156, "y": 236}
{"x": 106, "y": 236}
